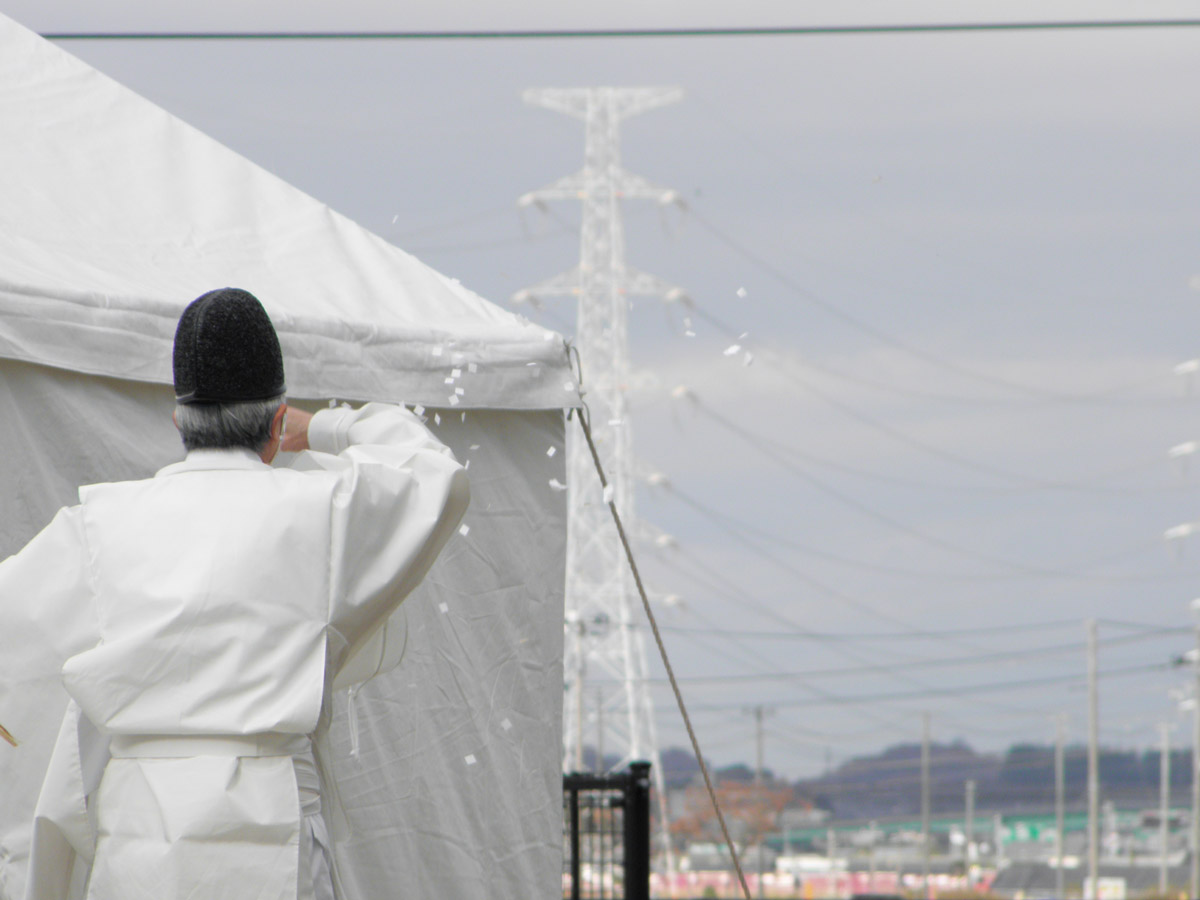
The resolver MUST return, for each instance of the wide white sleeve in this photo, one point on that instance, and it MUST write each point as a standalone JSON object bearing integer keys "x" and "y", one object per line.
{"x": 400, "y": 497}
{"x": 46, "y": 616}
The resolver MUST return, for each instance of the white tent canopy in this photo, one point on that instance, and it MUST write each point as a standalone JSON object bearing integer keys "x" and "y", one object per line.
{"x": 115, "y": 215}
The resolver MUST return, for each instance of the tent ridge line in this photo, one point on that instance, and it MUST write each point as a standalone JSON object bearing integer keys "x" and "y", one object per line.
{"x": 161, "y": 316}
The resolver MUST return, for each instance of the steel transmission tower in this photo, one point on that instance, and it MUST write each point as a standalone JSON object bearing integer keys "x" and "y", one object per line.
{"x": 601, "y": 643}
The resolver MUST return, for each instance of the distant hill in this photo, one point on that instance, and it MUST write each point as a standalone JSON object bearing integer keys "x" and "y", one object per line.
{"x": 889, "y": 783}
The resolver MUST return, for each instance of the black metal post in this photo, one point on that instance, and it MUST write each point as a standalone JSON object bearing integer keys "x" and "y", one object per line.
{"x": 574, "y": 802}
{"x": 637, "y": 832}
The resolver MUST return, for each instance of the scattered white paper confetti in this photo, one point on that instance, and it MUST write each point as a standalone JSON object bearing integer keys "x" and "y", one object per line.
{"x": 464, "y": 530}
{"x": 741, "y": 292}
{"x": 437, "y": 418}
{"x": 458, "y": 356}
{"x": 395, "y": 218}
{"x": 459, "y": 391}
{"x": 557, "y": 485}
{"x": 551, "y": 450}
{"x": 454, "y": 399}
{"x": 614, "y": 423}
{"x": 470, "y": 758}
{"x": 747, "y": 359}
{"x": 463, "y": 417}
{"x": 333, "y": 403}
{"x": 1184, "y": 449}
{"x": 449, "y": 381}
{"x": 506, "y": 725}
{"x": 689, "y": 333}
{"x": 733, "y": 349}
{"x": 472, "y": 368}
{"x": 444, "y": 607}
{"x": 568, "y": 385}
{"x": 743, "y": 335}
{"x": 467, "y": 464}
{"x": 474, "y": 447}
{"x": 608, "y": 493}
{"x": 419, "y": 409}
{"x": 531, "y": 364}
{"x": 456, "y": 373}
{"x": 437, "y": 350}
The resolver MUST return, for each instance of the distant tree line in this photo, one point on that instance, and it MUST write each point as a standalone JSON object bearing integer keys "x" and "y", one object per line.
{"x": 888, "y": 783}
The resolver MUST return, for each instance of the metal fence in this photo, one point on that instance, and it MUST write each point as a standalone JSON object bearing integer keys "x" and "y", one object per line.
{"x": 606, "y": 834}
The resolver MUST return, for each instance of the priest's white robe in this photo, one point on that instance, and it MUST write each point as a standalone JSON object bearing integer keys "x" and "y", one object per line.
{"x": 198, "y": 621}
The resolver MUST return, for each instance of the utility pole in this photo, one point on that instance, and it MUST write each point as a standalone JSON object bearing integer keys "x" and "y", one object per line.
{"x": 600, "y": 767}
{"x": 580, "y": 676}
{"x": 1093, "y": 764}
{"x": 599, "y": 589}
{"x": 1059, "y": 797}
{"x": 1195, "y": 880}
{"x": 874, "y": 826}
{"x": 968, "y": 828}
{"x": 925, "y": 804}
{"x": 758, "y": 712}
{"x": 998, "y": 830}
{"x": 1164, "y": 803}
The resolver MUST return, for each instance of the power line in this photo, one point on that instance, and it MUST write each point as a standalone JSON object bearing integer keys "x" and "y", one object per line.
{"x": 1016, "y": 568}
{"x": 1023, "y": 483}
{"x": 1029, "y": 484}
{"x": 738, "y": 528}
{"x": 884, "y": 337}
{"x": 895, "y": 671}
{"x": 963, "y": 691}
{"x": 891, "y": 670}
{"x": 584, "y": 33}
{"x": 935, "y": 663}
{"x": 739, "y": 595}
{"x": 938, "y": 635}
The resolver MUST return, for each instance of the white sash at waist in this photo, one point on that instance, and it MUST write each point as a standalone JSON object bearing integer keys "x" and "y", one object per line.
{"x": 176, "y": 746}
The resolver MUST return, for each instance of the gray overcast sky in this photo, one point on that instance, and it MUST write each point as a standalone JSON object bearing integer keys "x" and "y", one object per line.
{"x": 968, "y": 263}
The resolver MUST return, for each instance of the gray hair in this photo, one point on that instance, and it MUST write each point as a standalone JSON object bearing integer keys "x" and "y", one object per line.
{"x": 220, "y": 426}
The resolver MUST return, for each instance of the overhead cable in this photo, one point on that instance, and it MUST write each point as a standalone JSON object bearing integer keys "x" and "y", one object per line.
{"x": 576, "y": 33}
{"x": 885, "y": 338}
{"x": 1022, "y": 482}
{"x": 933, "y": 540}
{"x": 973, "y": 659}
{"x": 966, "y": 690}
{"x": 738, "y": 528}
{"x": 940, "y": 634}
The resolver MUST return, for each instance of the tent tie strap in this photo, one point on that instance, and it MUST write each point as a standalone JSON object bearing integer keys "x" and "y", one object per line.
{"x": 662, "y": 650}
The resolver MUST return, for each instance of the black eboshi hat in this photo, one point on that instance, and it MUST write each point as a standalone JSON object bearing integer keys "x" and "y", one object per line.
{"x": 226, "y": 350}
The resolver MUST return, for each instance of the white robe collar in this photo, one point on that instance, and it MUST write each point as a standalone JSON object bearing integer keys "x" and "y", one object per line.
{"x": 209, "y": 460}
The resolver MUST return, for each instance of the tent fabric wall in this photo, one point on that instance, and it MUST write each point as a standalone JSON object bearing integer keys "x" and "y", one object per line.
{"x": 456, "y": 789}
{"x": 447, "y": 765}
